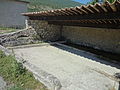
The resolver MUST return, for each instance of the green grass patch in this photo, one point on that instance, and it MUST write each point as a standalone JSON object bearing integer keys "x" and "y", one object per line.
{"x": 6, "y": 30}
{"x": 15, "y": 74}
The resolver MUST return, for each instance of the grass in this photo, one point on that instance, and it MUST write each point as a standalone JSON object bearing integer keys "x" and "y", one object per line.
{"x": 17, "y": 76}
{"x": 6, "y": 30}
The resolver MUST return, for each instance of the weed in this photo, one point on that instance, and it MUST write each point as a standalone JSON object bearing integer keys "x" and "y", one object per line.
{"x": 14, "y": 73}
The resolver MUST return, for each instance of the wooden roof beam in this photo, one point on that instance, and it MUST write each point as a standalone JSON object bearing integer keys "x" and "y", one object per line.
{"x": 94, "y": 9}
{"x": 100, "y": 8}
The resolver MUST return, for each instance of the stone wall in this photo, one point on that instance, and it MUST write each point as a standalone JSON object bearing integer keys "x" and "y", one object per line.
{"x": 20, "y": 37}
{"x": 99, "y": 38}
{"x": 45, "y": 32}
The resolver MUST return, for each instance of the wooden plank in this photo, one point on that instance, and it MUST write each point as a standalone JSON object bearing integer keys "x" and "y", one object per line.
{"x": 66, "y": 23}
{"x": 78, "y": 17}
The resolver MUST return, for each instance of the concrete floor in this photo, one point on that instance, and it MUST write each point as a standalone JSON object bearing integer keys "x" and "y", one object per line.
{"x": 76, "y": 70}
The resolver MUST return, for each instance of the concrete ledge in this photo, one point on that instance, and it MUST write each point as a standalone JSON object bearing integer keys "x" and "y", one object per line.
{"x": 47, "y": 79}
{"x": 5, "y": 50}
{"x": 28, "y": 46}
{"x": 35, "y": 45}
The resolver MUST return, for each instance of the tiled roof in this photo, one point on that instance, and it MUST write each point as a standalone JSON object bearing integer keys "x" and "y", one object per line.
{"x": 80, "y": 10}
{"x": 99, "y": 15}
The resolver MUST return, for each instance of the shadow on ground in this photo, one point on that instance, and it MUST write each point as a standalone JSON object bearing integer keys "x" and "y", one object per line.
{"x": 85, "y": 54}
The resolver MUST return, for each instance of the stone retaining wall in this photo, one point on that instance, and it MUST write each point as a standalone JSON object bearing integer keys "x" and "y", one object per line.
{"x": 45, "y": 32}
{"x": 98, "y": 38}
{"x": 18, "y": 38}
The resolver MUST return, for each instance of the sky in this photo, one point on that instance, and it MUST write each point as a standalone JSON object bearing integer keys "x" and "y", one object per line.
{"x": 82, "y": 1}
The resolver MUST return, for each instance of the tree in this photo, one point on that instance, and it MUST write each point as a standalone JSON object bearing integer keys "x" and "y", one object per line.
{"x": 98, "y": 1}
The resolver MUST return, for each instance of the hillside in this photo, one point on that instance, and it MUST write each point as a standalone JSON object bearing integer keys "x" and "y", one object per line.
{"x": 39, "y": 5}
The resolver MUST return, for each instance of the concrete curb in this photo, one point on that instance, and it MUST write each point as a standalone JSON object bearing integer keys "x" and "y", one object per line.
{"x": 28, "y": 46}
{"x": 35, "y": 45}
{"x": 47, "y": 79}
{"x": 5, "y": 50}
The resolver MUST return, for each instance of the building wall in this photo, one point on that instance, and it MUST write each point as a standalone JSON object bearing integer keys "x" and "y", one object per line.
{"x": 10, "y": 13}
{"x": 44, "y": 31}
{"x": 99, "y": 38}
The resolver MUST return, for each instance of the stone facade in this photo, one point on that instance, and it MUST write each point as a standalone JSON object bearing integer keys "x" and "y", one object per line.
{"x": 98, "y": 38}
{"x": 20, "y": 37}
{"x": 45, "y": 32}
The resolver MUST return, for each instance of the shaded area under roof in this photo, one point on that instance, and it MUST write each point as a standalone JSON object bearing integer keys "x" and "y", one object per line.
{"x": 104, "y": 15}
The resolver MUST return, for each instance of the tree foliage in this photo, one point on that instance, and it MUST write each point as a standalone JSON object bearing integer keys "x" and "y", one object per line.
{"x": 99, "y": 1}
{"x": 38, "y": 5}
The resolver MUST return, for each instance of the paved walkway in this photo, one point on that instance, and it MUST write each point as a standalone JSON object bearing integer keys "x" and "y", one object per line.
{"x": 76, "y": 70}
